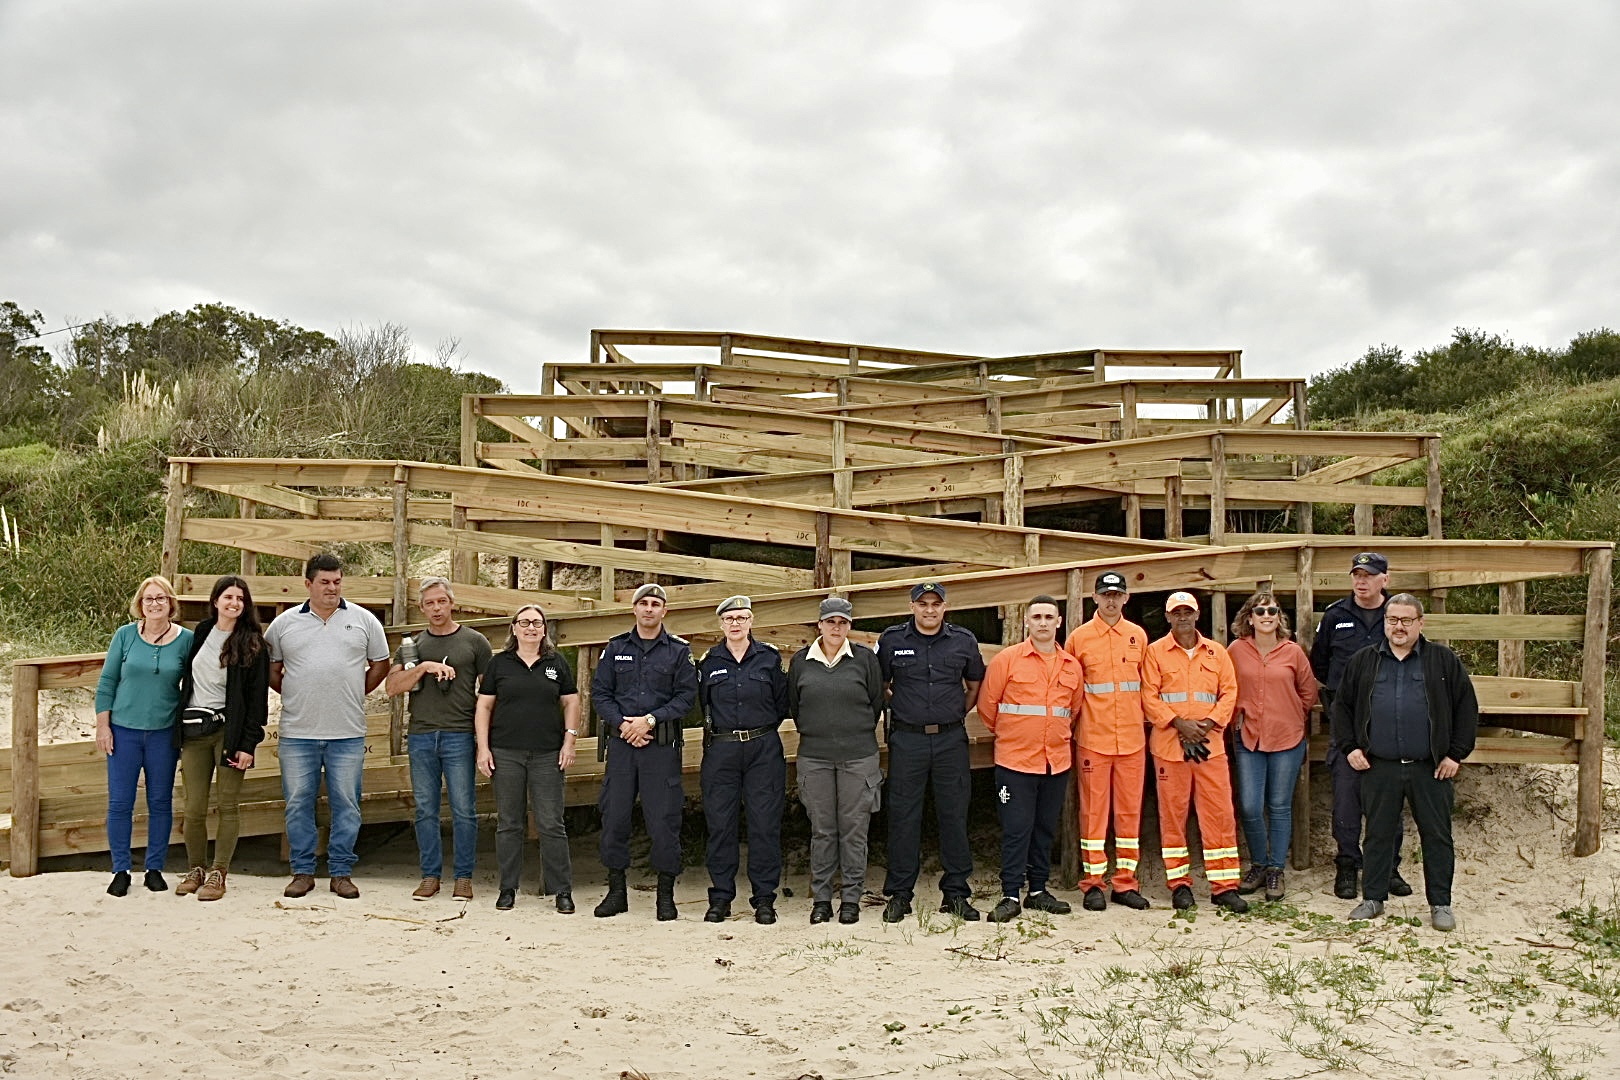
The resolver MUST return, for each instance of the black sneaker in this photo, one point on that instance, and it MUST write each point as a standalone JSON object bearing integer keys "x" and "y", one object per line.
{"x": 719, "y": 911}
{"x": 507, "y": 900}
{"x": 1006, "y": 911}
{"x": 1045, "y": 901}
{"x": 820, "y": 912}
{"x": 1131, "y": 899}
{"x": 1398, "y": 885}
{"x": 897, "y": 908}
{"x": 119, "y": 885}
{"x": 154, "y": 882}
{"x": 961, "y": 907}
{"x": 1181, "y": 898}
{"x": 849, "y": 913}
{"x": 1094, "y": 901}
{"x": 1344, "y": 881}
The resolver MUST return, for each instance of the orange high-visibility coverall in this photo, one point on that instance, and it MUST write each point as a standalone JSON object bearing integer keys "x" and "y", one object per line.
{"x": 1113, "y": 748}
{"x": 1197, "y": 687}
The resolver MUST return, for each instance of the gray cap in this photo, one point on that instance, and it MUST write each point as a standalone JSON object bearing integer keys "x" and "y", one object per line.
{"x": 652, "y": 588}
{"x": 734, "y": 603}
{"x": 836, "y": 607}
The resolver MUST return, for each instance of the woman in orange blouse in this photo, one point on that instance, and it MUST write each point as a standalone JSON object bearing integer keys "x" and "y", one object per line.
{"x": 1276, "y": 692}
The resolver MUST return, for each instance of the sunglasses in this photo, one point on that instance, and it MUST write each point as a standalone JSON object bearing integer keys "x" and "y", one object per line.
{"x": 1265, "y": 611}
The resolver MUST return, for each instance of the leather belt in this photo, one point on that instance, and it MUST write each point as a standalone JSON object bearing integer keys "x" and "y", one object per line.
{"x": 926, "y": 729}
{"x": 741, "y": 734}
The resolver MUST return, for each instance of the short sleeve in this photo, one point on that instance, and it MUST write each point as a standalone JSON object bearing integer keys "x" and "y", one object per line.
{"x": 376, "y": 639}
{"x": 565, "y": 677}
{"x": 272, "y": 639}
{"x": 490, "y": 683}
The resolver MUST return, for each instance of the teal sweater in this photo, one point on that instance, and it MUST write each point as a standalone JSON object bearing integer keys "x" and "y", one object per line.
{"x": 140, "y": 682}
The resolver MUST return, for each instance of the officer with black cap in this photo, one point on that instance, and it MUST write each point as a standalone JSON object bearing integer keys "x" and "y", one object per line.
{"x": 932, "y": 670}
{"x": 744, "y": 694}
{"x": 1348, "y": 626}
{"x": 643, "y": 688}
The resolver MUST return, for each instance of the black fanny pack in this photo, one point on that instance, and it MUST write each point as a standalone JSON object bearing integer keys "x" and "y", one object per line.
{"x": 198, "y": 723}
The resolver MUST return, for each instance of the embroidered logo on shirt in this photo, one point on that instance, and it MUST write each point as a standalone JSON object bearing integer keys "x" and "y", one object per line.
{"x": 551, "y": 673}
{"x": 905, "y": 652}
{"x": 624, "y": 658}
{"x": 1004, "y": 795}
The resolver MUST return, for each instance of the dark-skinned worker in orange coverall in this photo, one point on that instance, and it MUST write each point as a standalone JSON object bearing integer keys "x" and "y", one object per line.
{"x": 1189, "y": 690}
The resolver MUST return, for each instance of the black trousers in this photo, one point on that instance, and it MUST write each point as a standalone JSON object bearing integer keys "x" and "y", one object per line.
{"x": 653, "y": 772}
{"x": 740, "y": 776}
{"x": 915, "y": 758}
{"x": 1030, "y": 805}
{"x": 1385, "y": 788}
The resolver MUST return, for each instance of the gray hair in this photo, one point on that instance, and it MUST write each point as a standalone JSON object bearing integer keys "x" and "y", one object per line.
{"x": 435, "y": 582}
{"x": 1406, "y": 599}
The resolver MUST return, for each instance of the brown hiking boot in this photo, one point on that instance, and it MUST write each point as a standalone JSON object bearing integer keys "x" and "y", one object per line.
{"x": 463, "y": 889}
{"x": 300, "y": 885}
{"x": 345, "y": 887}
{"x": 191, "y": 882}
{"x": 213, "y": 887}
{"x": 427, "y": 890}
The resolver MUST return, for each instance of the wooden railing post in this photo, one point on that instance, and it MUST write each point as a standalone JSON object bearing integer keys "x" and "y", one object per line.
{"x": 1510, "y": 654}
{"x": 1304, "y": 632}
{"x": 24, "y": 770}
{"x": 401, "y": 605}
{"x": 1594, "y": 657}
{"x": 174, "y": 520}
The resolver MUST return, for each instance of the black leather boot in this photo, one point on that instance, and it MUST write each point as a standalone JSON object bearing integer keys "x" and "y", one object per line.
{"x": 666, "y": 898}
{"x": 615, "y": 902}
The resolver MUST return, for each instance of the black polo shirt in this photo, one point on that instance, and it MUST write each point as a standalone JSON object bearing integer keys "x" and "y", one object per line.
{"x": 747, "y": 693}
{"x": 926, "y": 671}
{"x": 528, "y": 701}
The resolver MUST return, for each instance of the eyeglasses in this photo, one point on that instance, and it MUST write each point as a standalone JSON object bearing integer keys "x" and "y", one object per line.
{"x": 1265, "y": 611}
{"x": 744, "y": 617}
{"x": 160, "y": 599}
{"x": 1402, "y": 621}
{"x": 530, "y": 624}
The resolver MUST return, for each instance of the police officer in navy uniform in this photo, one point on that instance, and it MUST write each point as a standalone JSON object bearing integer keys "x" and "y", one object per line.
{"x": 1348, "y": 626}
{"x": 932, "y": 670}
{"x": 644, "y": 686}
{"x": 744, "y": 694}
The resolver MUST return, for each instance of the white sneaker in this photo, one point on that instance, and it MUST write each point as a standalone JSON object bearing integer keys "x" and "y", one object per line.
{"x": 1367, "y": 909}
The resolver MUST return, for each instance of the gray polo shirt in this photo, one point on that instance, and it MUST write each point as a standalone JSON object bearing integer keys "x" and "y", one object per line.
{"x": 323, "y": 683}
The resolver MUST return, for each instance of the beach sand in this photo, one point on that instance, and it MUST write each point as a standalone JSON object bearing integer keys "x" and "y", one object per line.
{"x": 255, "y": 985}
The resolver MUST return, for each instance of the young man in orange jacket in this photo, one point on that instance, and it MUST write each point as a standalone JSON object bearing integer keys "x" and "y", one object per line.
{"x": 1028, "y": 700}
{"x": 1189, "y": 691}
{"x": 1113, "y": 743}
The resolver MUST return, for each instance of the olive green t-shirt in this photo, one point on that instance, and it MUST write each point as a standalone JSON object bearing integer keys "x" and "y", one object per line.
{"x": 448, "y": 706}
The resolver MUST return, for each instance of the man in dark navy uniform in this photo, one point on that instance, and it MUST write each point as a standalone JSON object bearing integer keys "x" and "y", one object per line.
{"x": 744, "y": 694}
{"x": 932, "y": 670}
{"x": 644, "y": 686}
{"x": 1348, "y": 626}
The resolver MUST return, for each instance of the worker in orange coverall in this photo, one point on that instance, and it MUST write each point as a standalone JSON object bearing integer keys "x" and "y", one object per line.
{"x": 1189, "y": 691}
{"x": 1113, "y": 744}
{"x": 1028, "y": 699}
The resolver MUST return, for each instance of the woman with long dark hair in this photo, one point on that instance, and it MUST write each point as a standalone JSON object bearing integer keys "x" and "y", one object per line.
{"x": 525, "y": 726}
{"x": 224, "y": 700}
{"x": 1276, "y": 692}
{"x": 136, "y": 699}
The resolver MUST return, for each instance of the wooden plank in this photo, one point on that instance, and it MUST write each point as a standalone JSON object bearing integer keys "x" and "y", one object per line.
{"x": 263, "y": 534}
{"x": 1594, "y": 655}
{"x": 1351, "y": 468}
{"x": 174, "y": 516}
{"x": 1509, "y": 652}
{"x": 269, "y": 495}
{"x": 1282, "y": 491}
{"x": 25, "y": 797}
{"x": 289, "y": 589}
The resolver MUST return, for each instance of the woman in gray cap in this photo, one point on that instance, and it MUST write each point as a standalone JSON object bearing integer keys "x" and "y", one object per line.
{"x": 743, "y": 692}
{"x": 835, "y": 693}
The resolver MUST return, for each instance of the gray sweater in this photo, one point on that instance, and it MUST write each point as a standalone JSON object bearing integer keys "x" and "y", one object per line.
{"x": 836, "y": 709}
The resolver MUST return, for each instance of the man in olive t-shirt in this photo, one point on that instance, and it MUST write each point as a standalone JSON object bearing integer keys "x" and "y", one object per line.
{"x": 442, "y": 682}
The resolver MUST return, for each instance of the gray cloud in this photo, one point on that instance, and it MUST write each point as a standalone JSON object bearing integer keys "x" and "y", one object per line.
{"x": 1300, "y": 181}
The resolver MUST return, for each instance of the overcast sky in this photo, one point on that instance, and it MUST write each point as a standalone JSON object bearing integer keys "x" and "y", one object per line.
{"x": 1299, "y": 180}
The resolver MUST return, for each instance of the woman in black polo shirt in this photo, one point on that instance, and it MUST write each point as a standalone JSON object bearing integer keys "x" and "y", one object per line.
{"x": 526, "y": 724}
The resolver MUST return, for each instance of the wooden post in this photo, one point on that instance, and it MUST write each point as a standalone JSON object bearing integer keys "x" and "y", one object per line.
{"x": 1510, "y": 654}
{"x": 1074, "y": 602}
{"x": 1304, "y": 632}
{"x": 1594, "y": 658}
{"x": 247, "y": 510}
{"x": 512, "y": 574}
{"x": 464, "y": 564}
{"x": 174, "y": 520}
{"x": 24, "y": 770}
{"x": 1217, "y": 488}
{"x": 1219, "y": 620}
{"x": 1362, "y": 514}
{"x": 1127, "y": 411}
{"x": 843, "y": 494}
{"x": 725, "y": 353}
{"x": 1305, "y": 598}
{"x": 402, "y": 550}
{"x": 1173, "y": 529}
{"x": 655, "y": 461}
{"x": 1304, "y": 512}
{"x": 609, "y": 575}
{"x": 824, "y": 568}
{"x": 1431, "y": 494}
{"x": 1133, "y": 513}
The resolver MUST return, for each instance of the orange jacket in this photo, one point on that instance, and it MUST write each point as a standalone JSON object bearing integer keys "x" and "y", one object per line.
{"x": 1202, "y": 686}
{"x": 1111, "y": 717}
{"x": 1028, "y": 701}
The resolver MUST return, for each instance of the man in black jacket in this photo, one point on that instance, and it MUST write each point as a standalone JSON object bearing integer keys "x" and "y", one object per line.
{"x": 1404, "y": 718}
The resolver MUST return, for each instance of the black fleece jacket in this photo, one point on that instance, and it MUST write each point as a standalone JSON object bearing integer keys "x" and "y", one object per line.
{"x": 1453, "y": 708}
{"x": 247, "y": 696}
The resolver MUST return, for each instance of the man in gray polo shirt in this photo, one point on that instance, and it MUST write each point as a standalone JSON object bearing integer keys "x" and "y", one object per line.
{"x": 325, "y": 656}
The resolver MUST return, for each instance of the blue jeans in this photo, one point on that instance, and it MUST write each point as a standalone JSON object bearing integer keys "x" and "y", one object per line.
{"x": 301, "y": 764}
{"x": 1266, "y": 799}
{"x": 450, "y": 756}
{"x": 133, "y": 751}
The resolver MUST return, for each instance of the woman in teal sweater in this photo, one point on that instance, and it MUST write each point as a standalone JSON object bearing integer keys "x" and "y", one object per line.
{"x": 136, "y": 702}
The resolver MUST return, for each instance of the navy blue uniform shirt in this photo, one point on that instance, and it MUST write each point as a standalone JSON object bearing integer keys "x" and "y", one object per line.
{"x": 747, "y": 693}
{"x": 926, "y": 672}
{"x": 637, "y": 677}
{"x": 1346, "y": 629}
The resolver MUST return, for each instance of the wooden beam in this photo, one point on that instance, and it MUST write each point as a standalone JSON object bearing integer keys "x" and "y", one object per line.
{"x": 269, "y": 495}
{"x": 1510, "y": 652}
{"x": 1594, "y": 656}
{"x": 174, "y": 517}
{"x": 25, "y": 680}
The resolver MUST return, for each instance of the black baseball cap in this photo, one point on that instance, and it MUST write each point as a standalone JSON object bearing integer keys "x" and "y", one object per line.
{"x": 1110, "y": 581}
{"x": 1370, "y": 561}
{"x": 919, "y": 591}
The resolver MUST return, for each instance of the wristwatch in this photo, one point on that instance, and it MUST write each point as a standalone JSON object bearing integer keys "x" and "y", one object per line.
{"x": 571, "y": 731}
